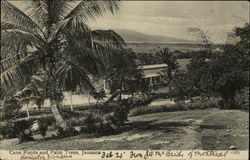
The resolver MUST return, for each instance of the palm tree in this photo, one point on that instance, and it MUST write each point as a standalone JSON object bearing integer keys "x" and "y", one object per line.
{"x": 167, "y": 57}
{"x": 56, "y": 41}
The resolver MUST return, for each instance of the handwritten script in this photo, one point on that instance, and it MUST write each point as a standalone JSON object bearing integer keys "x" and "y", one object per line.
{"x": 118, "y": 154}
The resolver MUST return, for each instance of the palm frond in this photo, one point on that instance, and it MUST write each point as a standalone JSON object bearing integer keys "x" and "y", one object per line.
{"x": 5, "y": 26}
{"x": 90, "y": 9}
{"x": 74, "y": 27}
{"x": 17, "y": 37}
{"x": 71, "y": 75}
{"x": 47, "y": 11}
{"x": 13, "y": 15}
{"x": 107, "y": 38}
{"x": 18, "y": 74}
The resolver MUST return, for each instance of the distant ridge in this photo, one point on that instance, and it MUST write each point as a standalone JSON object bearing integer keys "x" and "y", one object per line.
{"x": 136, "y": 37}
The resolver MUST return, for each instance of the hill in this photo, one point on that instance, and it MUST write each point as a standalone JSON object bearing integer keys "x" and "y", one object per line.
{"x": 136, "y": 37}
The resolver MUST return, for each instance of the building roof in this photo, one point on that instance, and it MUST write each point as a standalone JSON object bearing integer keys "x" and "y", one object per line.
{"x": 153, "y": 66}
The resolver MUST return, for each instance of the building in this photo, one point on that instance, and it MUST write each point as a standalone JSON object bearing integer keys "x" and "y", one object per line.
{"x": 152, "y": 73}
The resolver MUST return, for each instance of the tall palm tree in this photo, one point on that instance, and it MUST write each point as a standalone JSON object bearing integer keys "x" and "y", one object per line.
{"x": 166, "y": 56}
{"x": 57, "y": 41}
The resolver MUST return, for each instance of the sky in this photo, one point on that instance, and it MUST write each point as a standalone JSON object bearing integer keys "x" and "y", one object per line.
{"x": 173, "y": 18}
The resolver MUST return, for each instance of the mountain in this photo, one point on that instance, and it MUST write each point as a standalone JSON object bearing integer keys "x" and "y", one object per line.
{"x": 137, "y": 37}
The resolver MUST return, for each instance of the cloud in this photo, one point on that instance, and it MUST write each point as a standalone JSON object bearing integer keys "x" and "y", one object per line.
{"x": 173, "y": 18}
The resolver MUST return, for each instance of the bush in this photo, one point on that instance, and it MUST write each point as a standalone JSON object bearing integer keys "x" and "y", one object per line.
{"x": 43, "y": 124}
{"x": 183, "y": 106}
{"x": 76, "y": 121}
{"x": 100, "y": 125}
{"x": 120, "y": 115}
{"x": 242, "y": 99}
{"x": 8, "y": 130}
{"x": 67, "y": 114}
{"x": 19, "y": 129}
{"x": 10, "y": 108}
{"x": 91, "y": 122}
{"x": 103, "y": 124}
{"x": 69, "y": 132}
{"x": 23, "y": 128}
{"x": 25, "y": 136}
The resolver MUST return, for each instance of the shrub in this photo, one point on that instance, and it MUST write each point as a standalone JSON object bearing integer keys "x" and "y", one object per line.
{"x": 19, "y": 129}
{"x": 67, "y": 133}
{"x": 10, "y": 108}
{"x": 105, "y": 126}
{"x": 76, "y": 121}
{"x": 242, "y": 99}
{"x": 23, "y": 128}
{"x": 182, "y": 106}
{"x": 25, "y": 136}
{"x": 91, "y": 122}
{"x": 100, "y": 124}
{"x": 107, "y": 119}
{"x": 120, "y": 115}
{"x": 8, "y": 130}
{"x": 145, "y": 102}
{"x": 43, "y": 124}
{"x": 67, "y": 114}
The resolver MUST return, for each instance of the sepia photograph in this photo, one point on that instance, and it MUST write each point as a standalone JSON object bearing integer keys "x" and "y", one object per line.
{"x": 124, "y": 75}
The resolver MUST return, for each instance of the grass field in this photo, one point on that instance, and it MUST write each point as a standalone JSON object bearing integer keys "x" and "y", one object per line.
{"x": 196, "y": 129}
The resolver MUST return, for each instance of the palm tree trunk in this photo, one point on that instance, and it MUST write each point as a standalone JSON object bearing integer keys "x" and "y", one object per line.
{"x": 89, "y": 98}
{"x": 121, "y": 92}
{"x": 59, "y": 120}
{"x": 27, "y": 107}
{"x": 71, "y": 106}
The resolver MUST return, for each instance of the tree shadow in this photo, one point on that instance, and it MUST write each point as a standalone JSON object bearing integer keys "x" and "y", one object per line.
{"x": 212, "y": 127}
{"x": 152, "y": 125}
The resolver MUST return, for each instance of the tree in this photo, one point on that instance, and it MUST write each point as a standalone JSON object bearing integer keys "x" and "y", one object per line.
{"x": 222, "y": 74}
{"x": 202, "y": 36}
{"x": 123, "y": 74}
{"x": 184, "y": 88}
{"x": 165, "y": 56}
{"x": 49, "y": 30}
{"x": 147, "y": 58}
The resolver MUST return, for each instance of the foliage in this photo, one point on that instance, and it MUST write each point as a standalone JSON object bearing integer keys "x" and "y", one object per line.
{"x": 217, "y": 74}
{"x": 184, "y": 87}
{"x": 120, "y": 115}
{"x": 98, "y": 124}
{"x": 99, "y": 95}
{"x": 20, "y": 129}
{"x": 184, "y": 55}
{"x": 70, "y": 131}
{"x": 43, "y": 125}
{"x": 10, "y": 108}
{"x": 103, "y": 123}
{"x": 58, "y": 42}
{"x": 123, "y": 73}
{"x": 183, "y": 106}
{"x": 168, "y": 57}
{"x": 147, "y": 58}
{"x": 242, "y": 99}
{"x": 67, "y": 114}
{"x": 8, "y": 131}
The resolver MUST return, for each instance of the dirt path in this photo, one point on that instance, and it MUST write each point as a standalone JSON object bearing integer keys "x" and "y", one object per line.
{"x": 192, "y": 139}
{"x": 168, "y": 130}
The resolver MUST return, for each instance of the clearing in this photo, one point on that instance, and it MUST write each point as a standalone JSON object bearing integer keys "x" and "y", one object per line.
{"x": 196, "y": 129}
